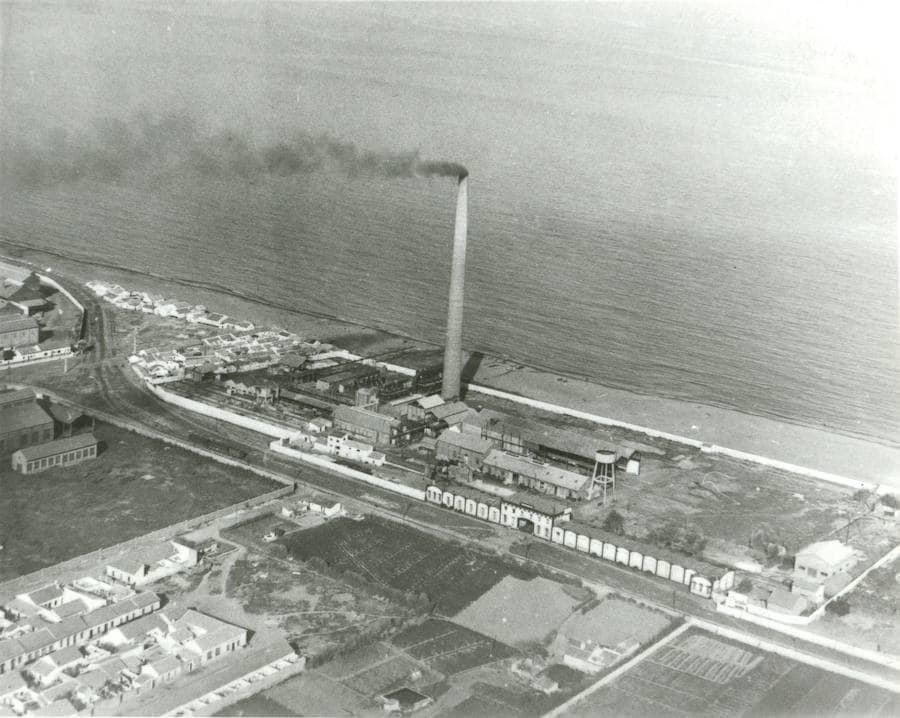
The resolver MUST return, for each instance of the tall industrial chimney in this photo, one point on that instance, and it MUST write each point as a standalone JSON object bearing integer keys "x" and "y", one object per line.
{"x": 453, "y": 347}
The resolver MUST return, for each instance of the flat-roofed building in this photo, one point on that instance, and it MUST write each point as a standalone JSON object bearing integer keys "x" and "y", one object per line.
{"x": 23, "y": 425}
{"x": 62, "y": 452}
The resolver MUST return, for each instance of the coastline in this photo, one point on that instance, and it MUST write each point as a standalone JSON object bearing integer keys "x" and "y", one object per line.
{"x": 856, "y": 458}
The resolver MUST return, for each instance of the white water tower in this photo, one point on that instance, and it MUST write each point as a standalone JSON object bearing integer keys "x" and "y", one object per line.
{"x": 604, "y": 472}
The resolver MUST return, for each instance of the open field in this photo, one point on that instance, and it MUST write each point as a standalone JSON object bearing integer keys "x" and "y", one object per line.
{"x": 704, "y": 675}
{"x": 314, "y": 612}
{"x": 521, "y": 612}
{"x": 135, "y": 485}
{"x": 308, "y": 694}
{"x": 402, "y": 558}
{"x": 615, "y": 621}
{"x": 449, "y": 648}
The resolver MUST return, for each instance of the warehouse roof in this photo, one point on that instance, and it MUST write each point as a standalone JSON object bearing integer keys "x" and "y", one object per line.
{"x": 20, "y": 396}
{"x": 22, "y": 416}
{"x": 60, "y": 446}
{"x": 533, "y": 470}
{"x": 365, "y": 419}
{"x": 16, "y": 323}
{"x": 470, "y": 442}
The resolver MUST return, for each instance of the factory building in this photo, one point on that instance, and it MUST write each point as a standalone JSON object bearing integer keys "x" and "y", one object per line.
{"x": 62, "y": 452}
{"x": 368, "y": 425}
{"x": 523, "y": 471}
{"x": 23, "y": 424}
{"x": 18, "y": 331}
{"x": 467, "y": 450}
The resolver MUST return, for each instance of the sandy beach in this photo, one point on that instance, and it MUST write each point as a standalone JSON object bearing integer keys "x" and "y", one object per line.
{"x": 791, "y": 443}
{"x": 854, "y": 458}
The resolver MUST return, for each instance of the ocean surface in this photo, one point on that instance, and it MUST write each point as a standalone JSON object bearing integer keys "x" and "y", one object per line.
{"x": 696, "y": 202}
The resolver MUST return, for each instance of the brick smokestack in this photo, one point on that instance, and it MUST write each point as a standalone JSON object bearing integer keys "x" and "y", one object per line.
{"x": 453, "y": 347}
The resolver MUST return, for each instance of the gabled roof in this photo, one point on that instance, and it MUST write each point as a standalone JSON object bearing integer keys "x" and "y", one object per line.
{"x": 65, "y": 414}
{"x": 16, "y": 323}
{"x": 365, "y": 419}
{"x": 783, "y": 600}
{"x": 70, "y": 608}
{"x": 23, "y": 416}
{"x": 538, "y": 502}
{"x": 11, "y": 683}
{"x": 447, "y": 411}
{"x": 470, "y": 442}
{"x": 10, "y": 648}
{"x": 540, "y": 472}
{"x": 23, "y": 396}
{"x": 36, "y": 640}
{"x": 45, "y": 594}
{"x": 65, "y": 656}
{"x": 430, "y": 402}
{"x": 60, "y": 446}
{"x": 71, "y": 626}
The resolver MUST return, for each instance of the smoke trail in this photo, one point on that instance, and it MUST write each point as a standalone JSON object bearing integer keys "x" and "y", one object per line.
{"x": 113, "y": 149}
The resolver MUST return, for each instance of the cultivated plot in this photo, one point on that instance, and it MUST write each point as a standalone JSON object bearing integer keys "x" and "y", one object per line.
{"x": 704, "y": 675}
{"x": 399, "y": 557}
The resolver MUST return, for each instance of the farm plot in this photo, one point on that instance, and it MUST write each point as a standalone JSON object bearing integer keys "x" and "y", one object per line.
{"x": 377, "y": 669}
{"x": 703, "y": 675}
{"x": 396, "y": 556}
{"x": 449, "y": 648}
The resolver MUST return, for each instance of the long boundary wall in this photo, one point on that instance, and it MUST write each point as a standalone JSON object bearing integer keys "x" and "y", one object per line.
{"x": 706, "y": 448}
{"x": 321, "y": 462}
{"x": 215, "y": 412}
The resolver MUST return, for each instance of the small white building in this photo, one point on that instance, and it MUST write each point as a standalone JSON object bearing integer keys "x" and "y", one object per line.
{"x": 145, "y": 566}
{"x": 824, "y": 559}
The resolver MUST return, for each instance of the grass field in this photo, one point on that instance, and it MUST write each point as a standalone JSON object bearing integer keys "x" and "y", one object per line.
{"x": 402, "y": 558}
{"x": 449, "y": 648}
{"x": 135, "y": 485}
{"x": 520, "y": 612}
{"x": 704, "y": 675}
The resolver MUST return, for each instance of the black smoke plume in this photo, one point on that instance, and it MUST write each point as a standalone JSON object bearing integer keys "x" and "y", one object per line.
{"x": 114, "y": 149}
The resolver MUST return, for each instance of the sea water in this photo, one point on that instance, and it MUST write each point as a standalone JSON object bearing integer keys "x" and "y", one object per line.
{"x": 693, "y": 202}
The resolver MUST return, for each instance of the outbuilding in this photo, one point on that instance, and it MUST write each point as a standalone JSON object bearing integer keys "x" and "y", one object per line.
{"x": 62, "y": 452}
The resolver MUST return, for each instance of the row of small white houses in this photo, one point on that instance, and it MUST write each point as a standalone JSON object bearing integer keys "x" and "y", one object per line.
{"x": 555, "y": 525}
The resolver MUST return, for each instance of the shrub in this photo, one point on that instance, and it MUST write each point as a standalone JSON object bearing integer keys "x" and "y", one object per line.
{"x": 614, "y": 523}
{"x": 891, "y": 501}
{"x": 839, "y": 607}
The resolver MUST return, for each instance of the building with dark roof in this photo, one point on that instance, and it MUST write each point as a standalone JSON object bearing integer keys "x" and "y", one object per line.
{"x": 23, "y": 425}
{"x": 17, "y": 331}
{"x": 367, "y": 425}
{"x": 537, "y": 475}
{"x": 17, "y": 397}
{"x": 62, "y": 452}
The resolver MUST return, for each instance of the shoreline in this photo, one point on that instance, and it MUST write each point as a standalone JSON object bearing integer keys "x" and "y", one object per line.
{"x": 861, "y": 459}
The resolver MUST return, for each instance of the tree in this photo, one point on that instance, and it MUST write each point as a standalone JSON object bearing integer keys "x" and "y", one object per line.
{"x": 614, "y": 523}
{"x": 839, "y": 607}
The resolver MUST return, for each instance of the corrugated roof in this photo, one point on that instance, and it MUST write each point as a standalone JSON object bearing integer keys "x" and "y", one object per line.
{"x": 445, "y": 411}
{"x": 60, "y": 446}
{"x": 540, "y": 472}
{"x": 23, "y": 416}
